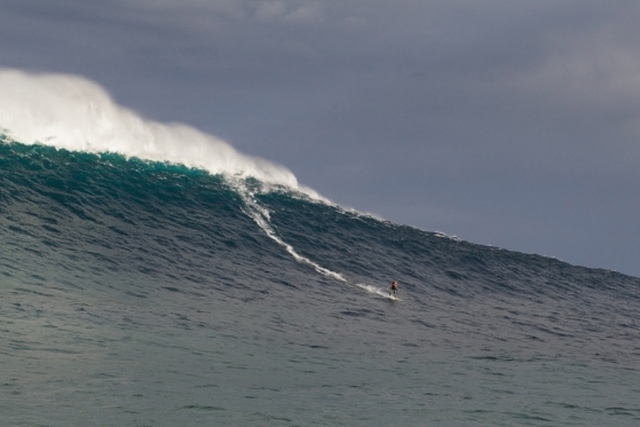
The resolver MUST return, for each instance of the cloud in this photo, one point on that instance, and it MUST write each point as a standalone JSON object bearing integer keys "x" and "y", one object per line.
{"x": 305, "y": 14}
{"x": 265, "y": 11}
{"x": 270, "y": 9}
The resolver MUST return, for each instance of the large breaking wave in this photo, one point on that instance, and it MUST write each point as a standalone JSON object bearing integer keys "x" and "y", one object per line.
{"x": 74, "y": 113}
{"x": 150, "y": 293}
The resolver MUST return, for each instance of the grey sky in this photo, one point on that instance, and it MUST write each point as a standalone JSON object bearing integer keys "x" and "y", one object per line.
{"x": 501, "y": 122}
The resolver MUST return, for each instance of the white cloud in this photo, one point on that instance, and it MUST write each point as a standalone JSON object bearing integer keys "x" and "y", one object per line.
{"x": 271, "y": 9}
{"x": 305, "y": 14}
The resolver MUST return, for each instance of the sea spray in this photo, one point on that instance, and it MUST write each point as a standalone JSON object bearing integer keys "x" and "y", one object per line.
{"x": 74, "y": 113}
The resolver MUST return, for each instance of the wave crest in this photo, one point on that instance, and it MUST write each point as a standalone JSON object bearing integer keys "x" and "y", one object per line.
{"x": 74, "y": 113}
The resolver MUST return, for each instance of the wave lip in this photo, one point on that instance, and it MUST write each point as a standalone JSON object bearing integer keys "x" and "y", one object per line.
{"x": 74, "y": 113}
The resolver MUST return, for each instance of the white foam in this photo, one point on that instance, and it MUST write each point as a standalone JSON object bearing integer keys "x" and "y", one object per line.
{"x": 373, "y": 289}
{"x": 71, "y": 112}
{"x": 261, "y": 217}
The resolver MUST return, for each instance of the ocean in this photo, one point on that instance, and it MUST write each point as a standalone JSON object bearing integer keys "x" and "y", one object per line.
{"x": 139, "y": 293}
{"x": 150, "y": 275}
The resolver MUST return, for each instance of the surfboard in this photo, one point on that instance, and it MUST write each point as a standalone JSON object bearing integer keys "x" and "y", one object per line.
{"x": 393, "y": 298}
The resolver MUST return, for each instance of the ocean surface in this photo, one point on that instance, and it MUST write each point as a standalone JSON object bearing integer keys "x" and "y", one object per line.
{"x": 142, "y": 293}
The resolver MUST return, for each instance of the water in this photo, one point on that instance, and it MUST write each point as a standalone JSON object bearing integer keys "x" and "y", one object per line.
{"x": 147, "y": 294}
{"x": 204, "y": 287}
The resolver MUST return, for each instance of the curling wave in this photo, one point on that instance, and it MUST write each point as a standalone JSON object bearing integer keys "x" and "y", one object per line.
{"x": 74, "y": 113}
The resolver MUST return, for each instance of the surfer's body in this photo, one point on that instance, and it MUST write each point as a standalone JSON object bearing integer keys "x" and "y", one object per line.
{"x": 393, "y": 289}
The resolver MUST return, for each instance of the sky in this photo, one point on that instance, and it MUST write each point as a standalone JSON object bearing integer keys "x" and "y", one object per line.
{"x": 508, "y": 123}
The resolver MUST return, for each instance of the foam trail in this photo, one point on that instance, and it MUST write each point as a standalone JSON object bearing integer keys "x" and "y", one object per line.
{"x": 374, "y": 290}
{"x": 261, "y": 217}
{"x": 71, "y": 112}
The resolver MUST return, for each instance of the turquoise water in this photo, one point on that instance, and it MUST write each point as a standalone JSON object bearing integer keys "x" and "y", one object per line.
{"x": 145, "y": 294}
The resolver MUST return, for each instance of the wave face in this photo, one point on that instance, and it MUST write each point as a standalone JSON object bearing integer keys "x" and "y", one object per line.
{"x": 145, "y": 293}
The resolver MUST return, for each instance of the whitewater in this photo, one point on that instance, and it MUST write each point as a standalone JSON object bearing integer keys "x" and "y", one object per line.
{"x": 152, "y": 275}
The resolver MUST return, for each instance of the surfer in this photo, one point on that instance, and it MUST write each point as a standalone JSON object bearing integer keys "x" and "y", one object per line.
{"x": 393, "y": 288}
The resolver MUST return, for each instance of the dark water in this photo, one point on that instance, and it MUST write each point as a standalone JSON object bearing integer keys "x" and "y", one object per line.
{"x": 147, "y": 294}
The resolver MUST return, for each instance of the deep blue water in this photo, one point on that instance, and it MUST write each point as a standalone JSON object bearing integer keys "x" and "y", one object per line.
{"x": 136, "y": 293}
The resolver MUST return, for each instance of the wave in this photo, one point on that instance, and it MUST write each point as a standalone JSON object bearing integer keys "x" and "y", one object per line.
{"x": 104, "y": 225}
{"x": 74, "y": 113}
